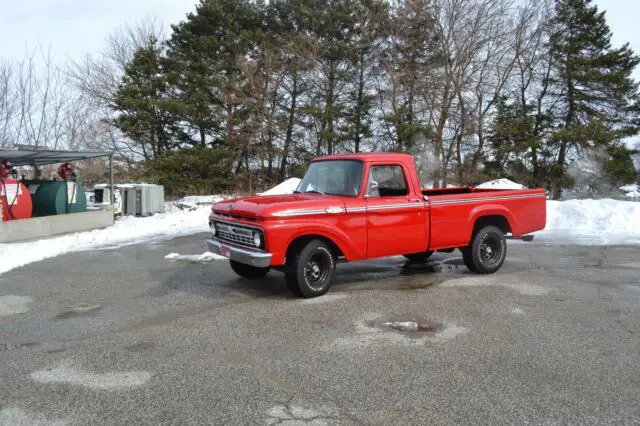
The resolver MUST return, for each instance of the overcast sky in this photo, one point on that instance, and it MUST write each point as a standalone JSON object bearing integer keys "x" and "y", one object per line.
{"x": 75, "y": 27}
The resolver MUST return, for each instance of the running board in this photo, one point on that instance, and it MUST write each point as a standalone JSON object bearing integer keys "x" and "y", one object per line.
{"x": 522, "y": 237}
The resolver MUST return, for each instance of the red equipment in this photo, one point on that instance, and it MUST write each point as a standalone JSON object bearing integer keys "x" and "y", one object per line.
{"x": 65, "y": 171}
{"x": 15, "y": 199}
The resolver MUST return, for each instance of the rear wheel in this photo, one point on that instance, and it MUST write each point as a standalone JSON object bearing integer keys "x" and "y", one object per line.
{"x": 419, "y": 257}
{"x": 248, "y": 271}
{"x": 487, "y": 251}
{"x": 309, "y": 270}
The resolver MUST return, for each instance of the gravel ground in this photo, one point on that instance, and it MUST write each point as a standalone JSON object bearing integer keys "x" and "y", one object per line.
{"x": 126, "y": 336}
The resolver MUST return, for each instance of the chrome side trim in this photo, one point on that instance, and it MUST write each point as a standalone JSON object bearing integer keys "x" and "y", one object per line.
{"x": 475, "y": 200}
{"x": 287, "y": 213}
{"x": 356, "y": 209}
{"x": 395, "y": 206}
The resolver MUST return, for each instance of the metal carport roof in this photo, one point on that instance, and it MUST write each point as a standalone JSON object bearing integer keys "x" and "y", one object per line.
{"x": 25, "y": 155}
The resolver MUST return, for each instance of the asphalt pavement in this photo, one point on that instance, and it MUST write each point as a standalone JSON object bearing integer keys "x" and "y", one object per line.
{"x": 125, "y": 336}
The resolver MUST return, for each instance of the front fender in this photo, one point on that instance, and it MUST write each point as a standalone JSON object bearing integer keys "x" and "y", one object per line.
{"x": 283, "y": 234}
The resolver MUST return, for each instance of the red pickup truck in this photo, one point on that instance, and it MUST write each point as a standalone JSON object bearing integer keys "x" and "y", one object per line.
{"x": 362, "y": 206}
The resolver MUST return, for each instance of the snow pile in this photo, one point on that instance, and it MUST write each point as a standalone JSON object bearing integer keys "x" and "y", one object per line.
{"x": 631, "y": 191}
{"x": 500, "y": 184}
{"x": 192, "y": 202}
{"x": 127, "y": 230}
{"x": 207, "y": 256}
{"x": 592, "y": 222}
{"x": 286, "y": 187}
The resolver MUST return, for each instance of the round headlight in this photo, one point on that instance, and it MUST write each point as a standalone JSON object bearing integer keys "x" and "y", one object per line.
{"x": 256, "y": 239}
{"x": 212, "y": 227}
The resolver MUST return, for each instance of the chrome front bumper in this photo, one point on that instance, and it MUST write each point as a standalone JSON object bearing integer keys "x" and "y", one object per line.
{"x": 248, "y": 257}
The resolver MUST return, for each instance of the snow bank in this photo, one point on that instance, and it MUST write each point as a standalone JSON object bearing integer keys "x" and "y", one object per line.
{"x": 207, "y": 256}
{"x": 500, "y": 184}
{"x": 631, "y": 191}
{"x": 591, "y": 222}
{"x": 192, "y": 202}
{"x": 286, "y": 187}
{"x": 127, "y": 230}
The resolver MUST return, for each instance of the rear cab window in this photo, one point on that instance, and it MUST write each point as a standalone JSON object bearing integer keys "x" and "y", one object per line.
{"x": 387, "y": 181}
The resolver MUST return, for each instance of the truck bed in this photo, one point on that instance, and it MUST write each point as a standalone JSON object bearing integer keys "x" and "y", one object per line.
{"x": 457, "y": 209}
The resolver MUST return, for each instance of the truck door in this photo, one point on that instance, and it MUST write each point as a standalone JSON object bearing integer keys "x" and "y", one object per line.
{"x": 396, "y": 219}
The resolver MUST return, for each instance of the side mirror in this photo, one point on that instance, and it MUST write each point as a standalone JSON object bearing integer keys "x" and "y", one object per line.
{"x": 372, "y": 190}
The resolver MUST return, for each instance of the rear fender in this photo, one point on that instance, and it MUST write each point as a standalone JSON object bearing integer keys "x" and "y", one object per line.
{"x": 491, "y": 210}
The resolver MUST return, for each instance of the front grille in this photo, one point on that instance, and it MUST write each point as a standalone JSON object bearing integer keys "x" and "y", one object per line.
{"x": 236, "y": 234}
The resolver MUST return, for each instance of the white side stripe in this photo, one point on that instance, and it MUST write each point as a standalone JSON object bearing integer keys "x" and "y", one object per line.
{"x": 294, "y": 212}
{"x": 475, "y": 200}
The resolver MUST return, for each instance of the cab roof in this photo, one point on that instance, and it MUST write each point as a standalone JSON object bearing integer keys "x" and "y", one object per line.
{"x": 368, "y": 156}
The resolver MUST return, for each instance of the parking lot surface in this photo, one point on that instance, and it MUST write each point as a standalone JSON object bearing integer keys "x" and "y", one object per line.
{"x": 125, "y": 336}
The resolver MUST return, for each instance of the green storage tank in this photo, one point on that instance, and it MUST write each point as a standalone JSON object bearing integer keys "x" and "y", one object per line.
{"x": 53, "y": 197}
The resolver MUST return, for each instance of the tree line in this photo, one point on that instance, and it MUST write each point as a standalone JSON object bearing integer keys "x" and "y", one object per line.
{"x": 244, "y": 92}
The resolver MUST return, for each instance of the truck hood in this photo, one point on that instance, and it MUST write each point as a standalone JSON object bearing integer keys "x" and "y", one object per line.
{"x": 279, "y": 205}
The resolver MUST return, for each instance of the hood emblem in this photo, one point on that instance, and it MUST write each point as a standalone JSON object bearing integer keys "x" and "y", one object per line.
{"x": 230, "y": 207}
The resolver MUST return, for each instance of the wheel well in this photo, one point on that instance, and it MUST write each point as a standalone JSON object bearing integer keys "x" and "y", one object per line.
{"x": 306, "y": 238}
{"x": 498, "y": 221}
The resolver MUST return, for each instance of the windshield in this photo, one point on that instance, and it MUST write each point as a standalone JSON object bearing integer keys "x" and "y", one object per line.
{"x": 335, "y": 177}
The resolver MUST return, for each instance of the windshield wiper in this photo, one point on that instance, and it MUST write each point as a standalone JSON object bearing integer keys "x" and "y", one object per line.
{"x": 297, "y": 192}
{"x": 313, "y": 190}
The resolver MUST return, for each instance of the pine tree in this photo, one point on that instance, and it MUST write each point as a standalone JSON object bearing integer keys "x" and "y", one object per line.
{"x": 145, "y": 112}
{"x": 205, "y": 53}
{"x": 597, "y": 96}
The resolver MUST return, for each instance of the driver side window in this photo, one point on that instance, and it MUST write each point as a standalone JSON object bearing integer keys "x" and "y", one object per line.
{"x": 386, "y": 181}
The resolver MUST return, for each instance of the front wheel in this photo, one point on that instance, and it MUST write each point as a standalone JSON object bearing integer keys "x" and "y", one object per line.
{"x": 248, "y": 271}
{"x": 309, "y": 271}
{"x": 487, "y": 251}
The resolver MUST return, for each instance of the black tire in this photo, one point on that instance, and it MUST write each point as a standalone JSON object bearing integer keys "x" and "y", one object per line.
{"x": 248, "y": 271}
{"x": 310, "y": 268}
{"x": 419, "y": 257}
{"x": 487, "y": 251}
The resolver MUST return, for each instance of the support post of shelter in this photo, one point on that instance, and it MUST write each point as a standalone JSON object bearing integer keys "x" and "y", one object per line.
{"x": 112, "y": 196}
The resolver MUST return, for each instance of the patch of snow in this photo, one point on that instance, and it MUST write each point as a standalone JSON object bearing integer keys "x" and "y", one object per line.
{"x": 631, "y": 191}
{"x": 522, "y": 288}
{"x": 403, "y": 325}
{"x": 286, "y": 187}
{"x": 300, "y": 413}
{"x": 591, "y": 222}
{"x": 194, "y": 201}
{"x": 13, "y": 305}
{"x": 127, "y": 230}
{"x": 105, "y": 381}
{"x": 501, "y": 184}
{"x": 204, "y": 257}
{"x": 17, "y": 417}
{"x": 323, "y": 299}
